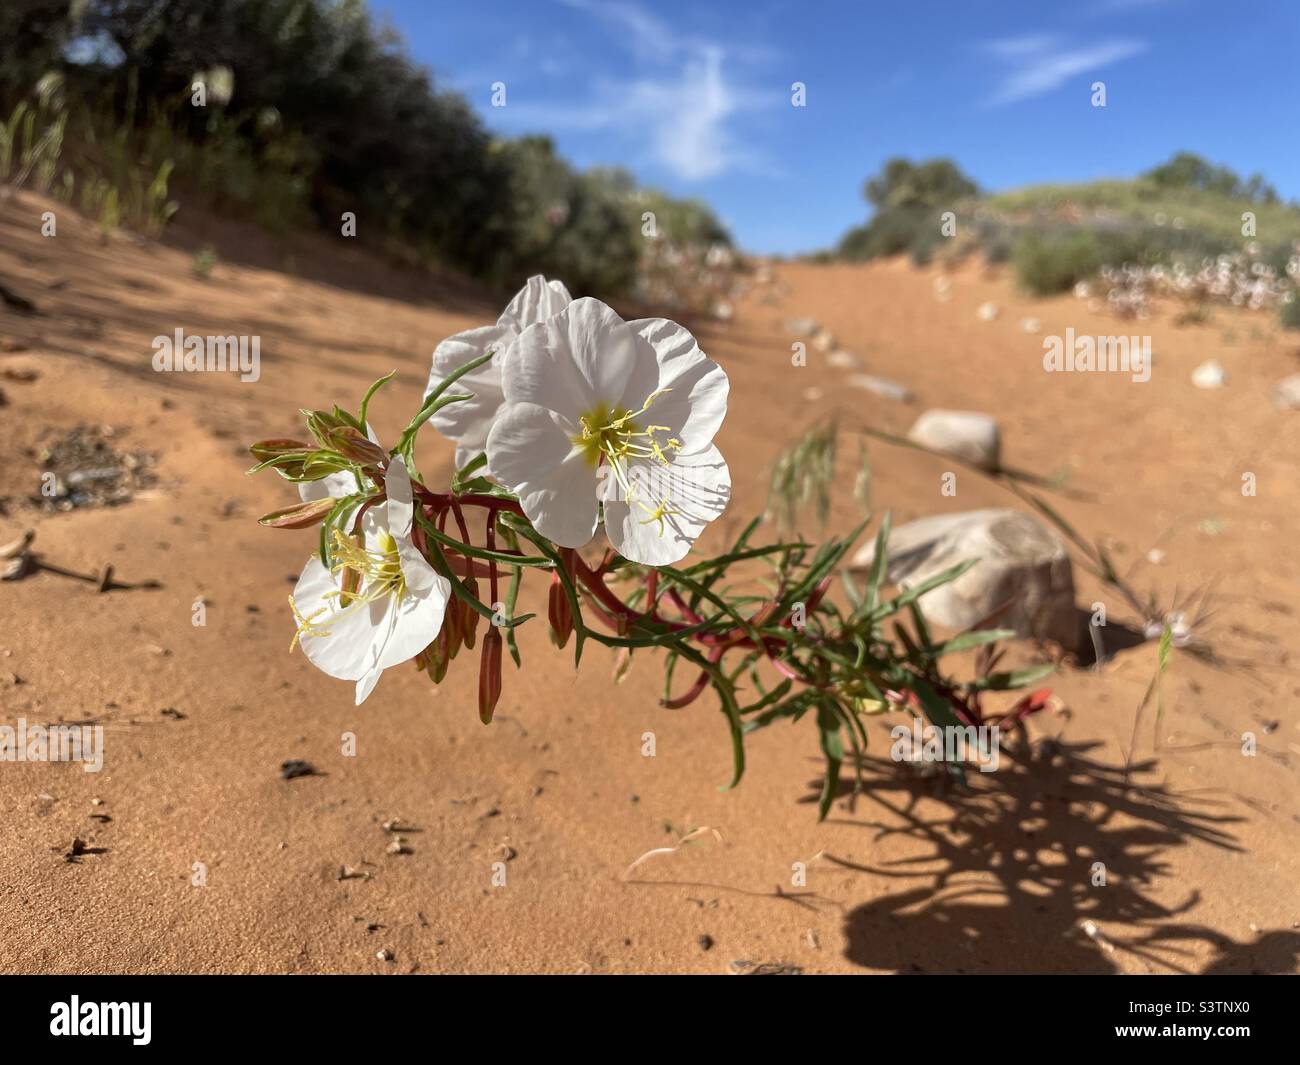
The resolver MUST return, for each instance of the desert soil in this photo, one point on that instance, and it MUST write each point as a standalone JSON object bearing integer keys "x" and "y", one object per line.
{"x": 1198, "y": 843}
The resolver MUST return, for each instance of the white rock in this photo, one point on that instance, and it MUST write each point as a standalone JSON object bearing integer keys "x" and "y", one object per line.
{"x": 843, "y": 360}
{"x": 1031, "y": 325}
{"x": 813, "y": 394}
{"x": 881, "y": 386}
{"x": 1287, "y": 394}
{"x": 1209, "y": 375}
{"x": 987, "y": 311}
{"x": 1022, "y": 565}
{"x": 801, "y": 327}
{"x": 967, "y": 434}
{"x": 723, "y": 311}
{"x": 824, "y": 340}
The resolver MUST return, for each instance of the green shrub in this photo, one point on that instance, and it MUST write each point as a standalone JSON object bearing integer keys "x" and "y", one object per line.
{"x": 1290, "y": 313}
{"x": 1052, "y": 261}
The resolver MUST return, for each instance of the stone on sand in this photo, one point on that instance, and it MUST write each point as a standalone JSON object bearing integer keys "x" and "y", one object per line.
{"x": 881, "y": 386}
{"x": 1287, "y": 394}
{"x": 1209, "y": 375}
{"x": 1022, "y": 565}
{"x": 968, "y": 435}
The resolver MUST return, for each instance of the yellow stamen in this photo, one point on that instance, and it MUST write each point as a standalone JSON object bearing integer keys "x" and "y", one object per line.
{"x": 613, "y": 436}
{"x": 365, "y": 575}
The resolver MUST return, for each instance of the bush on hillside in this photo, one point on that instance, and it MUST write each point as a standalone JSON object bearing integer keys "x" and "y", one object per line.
{"x": 312, "y": 110}
{"x": 910, "y": 199}
{"x": 1051, "y": 261}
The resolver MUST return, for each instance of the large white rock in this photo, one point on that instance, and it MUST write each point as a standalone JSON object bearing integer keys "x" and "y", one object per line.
{"x": 1022, "y": 564}
{"x": 967, "y": 434}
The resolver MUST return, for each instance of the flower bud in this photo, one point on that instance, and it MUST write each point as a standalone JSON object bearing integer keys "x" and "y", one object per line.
{"x": 433, "y": 659}
{"x": 357, "y": 448}
{"x": 489, "y": 675}
{"x": 559, "y": 613}
{"x": 300, "y": 515}
{"x": 469, "y": 616}
{"x": 270, "y": 449}
{"x": 322, "y": 423}
{"x": 452, "y": 628}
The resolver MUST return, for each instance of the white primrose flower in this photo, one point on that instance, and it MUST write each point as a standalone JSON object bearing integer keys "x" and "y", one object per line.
{"x": 379, "y": 603}
{"x": 468, "y": 422}
{"x": 598, "y": 410}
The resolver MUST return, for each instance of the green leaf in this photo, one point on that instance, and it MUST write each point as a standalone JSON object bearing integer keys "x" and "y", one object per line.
{"x": 365, "y": 402}
{"x": 878, "y": 564}
{"x": 916, "y": 591}
{"x": 1019, "y": 678}
{"x": 832, "y": 745}
{"x": 967, "y": 640}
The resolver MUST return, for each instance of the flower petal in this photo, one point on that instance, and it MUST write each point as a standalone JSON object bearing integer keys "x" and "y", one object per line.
{"x": 537, "y": 301}
{"x": 397, "y": 486}
{"x": 405, "y": 628}
{"x": 468, "y": 422}
{"x": 696, "y": 488}
{"x": 331, "y": 486}
{"x": 531, "y": 452}
{"x": 420, "y": 577}
{"x": 694, "y": 407}
{"x": 344, "y": 651}
{"x": 573, "y": 361}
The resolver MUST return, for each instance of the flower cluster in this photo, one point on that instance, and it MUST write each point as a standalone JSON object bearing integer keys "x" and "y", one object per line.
{"x": 568, "y": 420}
{"x": 1241, "y": 279}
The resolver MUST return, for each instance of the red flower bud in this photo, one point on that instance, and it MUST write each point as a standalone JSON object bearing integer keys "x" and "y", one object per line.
{"x": 559, "y": 612}
{"x": 489, "y": 675}
{"x": 299, "y": 516}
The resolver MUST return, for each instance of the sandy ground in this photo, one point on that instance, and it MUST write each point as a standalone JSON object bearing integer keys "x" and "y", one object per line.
{"x": 1199, "y": 845}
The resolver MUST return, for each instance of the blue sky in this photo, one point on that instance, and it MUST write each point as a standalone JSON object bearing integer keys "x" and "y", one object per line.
{"x": 695, "y": 97}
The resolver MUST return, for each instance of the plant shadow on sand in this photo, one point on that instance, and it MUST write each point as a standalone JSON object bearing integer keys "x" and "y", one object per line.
{"x": 1007, "y": 885}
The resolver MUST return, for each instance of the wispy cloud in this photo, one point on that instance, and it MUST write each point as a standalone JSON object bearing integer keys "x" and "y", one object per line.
{"x": 683, "y": 100}
{"x": 1040, "y": 63}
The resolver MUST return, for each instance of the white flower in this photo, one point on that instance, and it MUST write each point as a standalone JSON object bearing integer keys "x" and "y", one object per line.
{"x": 468, "y": 422}
{"x": 380, "y": 602}
{"x": 598, "y": 410}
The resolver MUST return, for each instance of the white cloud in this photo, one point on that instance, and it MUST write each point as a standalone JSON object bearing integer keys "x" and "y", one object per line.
{"x": 1041, "y": 63}
{"x": 683, "y": 101}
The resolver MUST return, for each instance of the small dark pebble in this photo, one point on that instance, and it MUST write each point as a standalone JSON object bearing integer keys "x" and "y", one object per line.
{"x": 705, "y": 942}
{"x": 296, "y": 767}
{"x": 172, "y": 712}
